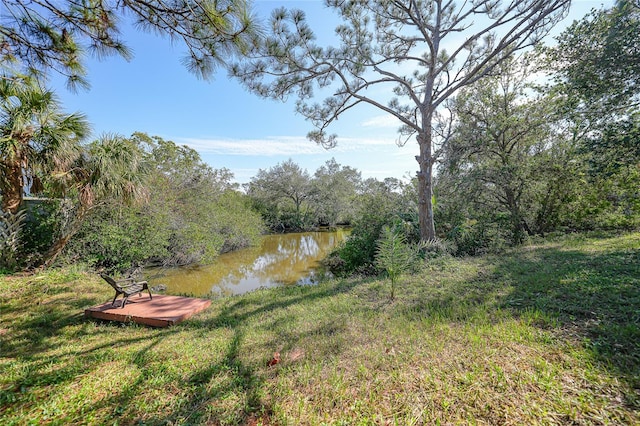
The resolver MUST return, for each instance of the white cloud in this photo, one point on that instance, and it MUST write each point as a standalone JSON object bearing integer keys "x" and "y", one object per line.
{"x": 359, "y": 144}
{"x": 270, "y": 146}
{"x": 382, "y": 121}
{"x": 279, "y": 146}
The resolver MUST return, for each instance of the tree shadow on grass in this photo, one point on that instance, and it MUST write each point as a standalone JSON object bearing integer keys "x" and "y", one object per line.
{"x": 241, "y": 382}
{"x": 31, "y": 332}
{"x": 42, "y": 369}
{"x": 589, "y": 298}
{"x": 243, "y": 308}
{"x": 245, "y": 380}
{"x": 35, "y": 336}
{"x": 199, "y": 393}
{"x": 593, "y": 298}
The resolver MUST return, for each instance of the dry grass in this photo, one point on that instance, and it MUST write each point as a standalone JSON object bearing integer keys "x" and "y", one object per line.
{"x": 547, "y": 334}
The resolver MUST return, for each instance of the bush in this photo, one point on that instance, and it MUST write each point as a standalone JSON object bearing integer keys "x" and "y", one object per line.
{"x": 29, "y": 233}
{"x": 378, "y": 208}
{"x": 10, "y": 229}
{"x": 470, "y": 238}
{"x": 119, "y": 238}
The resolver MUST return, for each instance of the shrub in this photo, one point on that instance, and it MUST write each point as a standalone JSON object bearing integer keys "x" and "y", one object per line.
{"x": 10, "y": 229}
{"x": 378, "y": 208}
{"x": 395, "y": 256}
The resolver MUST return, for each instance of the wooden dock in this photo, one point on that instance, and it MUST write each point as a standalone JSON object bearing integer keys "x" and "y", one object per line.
{"x": 161, "y": 311}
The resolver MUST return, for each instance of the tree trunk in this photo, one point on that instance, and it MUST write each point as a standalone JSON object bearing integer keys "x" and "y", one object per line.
{"x": 55, "y": 250}
{"x": 518, "y": 225}
{"x": 425, "y": 185}
{"x": 12, "y": 194}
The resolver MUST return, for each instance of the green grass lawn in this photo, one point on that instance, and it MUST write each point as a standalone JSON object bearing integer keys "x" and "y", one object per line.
{"x": 545, "y": 334}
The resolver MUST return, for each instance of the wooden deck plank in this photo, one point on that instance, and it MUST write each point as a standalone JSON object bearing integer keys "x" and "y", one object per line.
{"x": 162, "y": 311}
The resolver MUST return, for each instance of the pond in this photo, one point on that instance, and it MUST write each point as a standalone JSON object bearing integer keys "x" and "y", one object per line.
{"x": 280, "y": 259}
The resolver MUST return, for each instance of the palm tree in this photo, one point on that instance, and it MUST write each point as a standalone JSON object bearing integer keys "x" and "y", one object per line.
{"x": 38, "y": 142}
{"x": 112, "y": 170}
{"x": 41, "y": 145}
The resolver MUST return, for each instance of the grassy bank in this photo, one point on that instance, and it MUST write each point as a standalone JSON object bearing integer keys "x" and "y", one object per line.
{"x": 546, "y": 334}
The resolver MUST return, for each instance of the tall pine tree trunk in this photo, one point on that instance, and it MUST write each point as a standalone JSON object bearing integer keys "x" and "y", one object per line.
{"x": 425, "y": 185}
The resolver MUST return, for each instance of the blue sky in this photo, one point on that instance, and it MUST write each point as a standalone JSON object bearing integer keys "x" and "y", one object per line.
{"x": 229, "y": 127}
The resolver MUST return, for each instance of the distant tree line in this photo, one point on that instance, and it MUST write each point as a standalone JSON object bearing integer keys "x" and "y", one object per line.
{"x": 290, "y": 199}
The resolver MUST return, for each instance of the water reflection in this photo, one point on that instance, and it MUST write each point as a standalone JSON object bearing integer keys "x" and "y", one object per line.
{"x": 279, "y": 260}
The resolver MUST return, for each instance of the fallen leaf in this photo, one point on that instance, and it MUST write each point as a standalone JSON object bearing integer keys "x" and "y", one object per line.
{"x": 274, "y": 360}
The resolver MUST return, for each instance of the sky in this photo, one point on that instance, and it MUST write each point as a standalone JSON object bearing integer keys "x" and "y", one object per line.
{"x": 228, "y": 126}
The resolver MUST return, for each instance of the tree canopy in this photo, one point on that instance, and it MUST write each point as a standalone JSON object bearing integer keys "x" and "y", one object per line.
{"x": 597, "y": 66}
{"x": 38, "y": 141}
{"x": 405, "y": 58}
{"x": 495, "y": 155}
{"x": 43, "y": 36}
{"x": 289, "y": 198}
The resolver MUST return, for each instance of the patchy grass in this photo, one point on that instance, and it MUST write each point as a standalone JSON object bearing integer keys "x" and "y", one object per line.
{"x": 546, "y": 334}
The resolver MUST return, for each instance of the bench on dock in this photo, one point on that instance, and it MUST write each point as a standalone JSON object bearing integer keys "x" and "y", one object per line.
{"x": 126, "y": 287}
